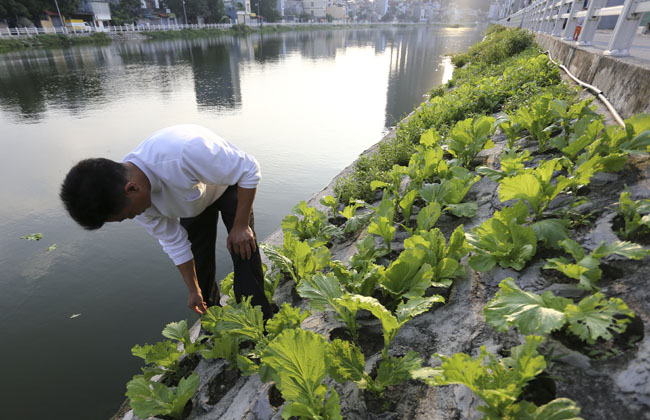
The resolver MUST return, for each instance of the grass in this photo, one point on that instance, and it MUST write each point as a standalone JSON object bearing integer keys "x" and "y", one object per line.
{"x": 52, "y": 41}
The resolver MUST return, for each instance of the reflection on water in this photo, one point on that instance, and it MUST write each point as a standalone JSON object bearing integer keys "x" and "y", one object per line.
{"x": 87, "y": 77}
{"x": 304, "y": 103}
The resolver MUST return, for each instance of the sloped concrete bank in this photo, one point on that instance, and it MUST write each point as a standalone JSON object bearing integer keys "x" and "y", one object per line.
{"x": 624, "y": 81}
{"x": 612, "y": 387}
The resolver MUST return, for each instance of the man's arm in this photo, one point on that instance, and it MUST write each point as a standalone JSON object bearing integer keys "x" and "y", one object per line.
{"x": 195, "y": 301}
{"x": 241, "y": 240}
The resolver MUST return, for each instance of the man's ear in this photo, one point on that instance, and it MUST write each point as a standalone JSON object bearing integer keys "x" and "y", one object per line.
{"x": 131, "y": 187}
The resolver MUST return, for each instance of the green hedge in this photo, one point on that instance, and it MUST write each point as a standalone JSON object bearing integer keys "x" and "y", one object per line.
{"x": 481, "y": 87}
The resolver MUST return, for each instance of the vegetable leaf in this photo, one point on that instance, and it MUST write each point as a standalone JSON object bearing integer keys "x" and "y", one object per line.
{"x": 594, "y": 317}
{"x": 529, "y": 312}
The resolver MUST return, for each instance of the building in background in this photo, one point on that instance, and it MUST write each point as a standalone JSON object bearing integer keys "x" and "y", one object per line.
{"x": 96, "y": 11}
{"x": 381, "y": 7}
{"x": 293, "y": 9}
{"x": 314, "y": 8}
{"x": 337, "y": 12}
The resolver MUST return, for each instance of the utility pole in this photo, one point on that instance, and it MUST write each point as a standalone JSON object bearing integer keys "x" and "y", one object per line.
{"x": 184, "y": 12}
{"x": 60, "y": 18}
{"x": 258, "y": 12}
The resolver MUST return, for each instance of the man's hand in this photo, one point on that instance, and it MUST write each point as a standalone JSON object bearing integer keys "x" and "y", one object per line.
{"x": 241, "y": 242}
{"x": 196, "y": 303}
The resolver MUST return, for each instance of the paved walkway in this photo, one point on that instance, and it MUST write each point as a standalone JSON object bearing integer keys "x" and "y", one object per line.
{"x": 639, "y": 52}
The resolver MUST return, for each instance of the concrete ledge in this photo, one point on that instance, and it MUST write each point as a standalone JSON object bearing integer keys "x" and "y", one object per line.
{"x": 625, "y": 84}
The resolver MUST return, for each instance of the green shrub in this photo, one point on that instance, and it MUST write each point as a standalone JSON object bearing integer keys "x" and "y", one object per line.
{"x": 480, "y": 88}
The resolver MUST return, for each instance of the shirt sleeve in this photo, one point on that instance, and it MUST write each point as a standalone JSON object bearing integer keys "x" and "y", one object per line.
{"x": 170, "y": 234}
{"x": 213, "y": 160}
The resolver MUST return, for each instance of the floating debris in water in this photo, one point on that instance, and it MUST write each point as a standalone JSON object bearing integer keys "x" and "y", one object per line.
{"x": 33, "y": 237}
{"x": 74, "y": 316}
{"x": 51, "y": 248}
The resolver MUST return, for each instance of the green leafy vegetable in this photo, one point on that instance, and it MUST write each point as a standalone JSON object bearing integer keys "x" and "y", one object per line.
{"x": 297, "y": 361}
{"x": 330, "y": 202}
{"x": 636, "y": 215}
{"x": 586, "y": 267}
{"x": 469, "y": 137}
{"x": 390, "y": 324}
{"x": 383, "y": 228}
{"x": 179, "y": 331}
{"x": 309, "y": 224}
{"x": 297, "y": 258}
{"x": 152, "y": 398}
{"x": 497, "y": 382}
{"x": 596, "y": 317}
{"x": 592, "y": 318}
{"x": 503, "y": 240}
{"x": 529, "y": 312}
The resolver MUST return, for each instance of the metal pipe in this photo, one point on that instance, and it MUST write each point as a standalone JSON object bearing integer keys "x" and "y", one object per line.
{"x": 593, "y": 89}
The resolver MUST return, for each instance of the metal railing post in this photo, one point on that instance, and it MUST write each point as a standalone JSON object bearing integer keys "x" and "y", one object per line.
{"x": 591, "y": 22}
{"x": 625, "y": 30}
{"x": 528, "y": 12}
{"x": 541, "y": 15}
{"x": 572, "y": 21}
{"x": 548, "y": 18}
{"x": 557, "y": 28}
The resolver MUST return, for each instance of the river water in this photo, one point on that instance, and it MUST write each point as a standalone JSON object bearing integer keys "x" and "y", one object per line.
{"x": 305, "y": 104}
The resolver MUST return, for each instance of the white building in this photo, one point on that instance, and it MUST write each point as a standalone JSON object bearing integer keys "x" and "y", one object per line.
{"x": 381, "y": 7}
{"x": 100, "y": 11}
{"x": 315, "y": 8}
{"x": 494, "y": 11}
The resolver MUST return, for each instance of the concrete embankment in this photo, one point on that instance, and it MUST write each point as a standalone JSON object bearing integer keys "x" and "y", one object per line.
{"x": 625, "y": 81}
{"x": 613, "y": 383}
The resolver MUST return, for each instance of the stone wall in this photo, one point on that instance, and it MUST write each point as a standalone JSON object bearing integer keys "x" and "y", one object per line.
{"x": 625, "y": 83}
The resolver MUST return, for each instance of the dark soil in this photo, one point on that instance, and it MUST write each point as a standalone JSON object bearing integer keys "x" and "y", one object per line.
{"x": 222, "y": 383}
{"x": 371, "y": 339}
{"x": 603, "y": 349}
{"x": 185, "y": 369}
{"x": 338, "y": 220}
{"x": 397, "y": 402}
{"x": 540, "y": 390}
{"x": 382, "y": 404}
{"x": 275, "y": 397}
{"x": 341, "y": 333}
{"x": 641, "y": 236}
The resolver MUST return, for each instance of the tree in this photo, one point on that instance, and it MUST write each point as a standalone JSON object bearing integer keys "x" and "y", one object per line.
{"x": 11, "y": 9}
{"x": 126, "y": 11}
{"x": 210, "y": 10}
{"x": 267, "y": 9}
{"x": 67, "y": 7}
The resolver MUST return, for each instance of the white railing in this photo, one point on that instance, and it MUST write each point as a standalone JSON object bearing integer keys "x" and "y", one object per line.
{"x": 4, "y": 32}
{"x": 560, "y": 18}
{"x": 123, "y": 28}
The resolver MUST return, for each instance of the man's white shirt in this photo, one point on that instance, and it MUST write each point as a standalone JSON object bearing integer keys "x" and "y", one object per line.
{"x": 189, "y": 168}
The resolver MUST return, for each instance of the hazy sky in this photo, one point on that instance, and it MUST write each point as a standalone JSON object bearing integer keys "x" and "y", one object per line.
{"x": 474, "y": 4}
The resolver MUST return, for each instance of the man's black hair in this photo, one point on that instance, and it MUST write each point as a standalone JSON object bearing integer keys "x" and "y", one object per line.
{"x": 93, "y": 190}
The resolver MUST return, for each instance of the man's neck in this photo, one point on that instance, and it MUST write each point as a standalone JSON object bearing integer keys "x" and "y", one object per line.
{"x": 136, "y": 174}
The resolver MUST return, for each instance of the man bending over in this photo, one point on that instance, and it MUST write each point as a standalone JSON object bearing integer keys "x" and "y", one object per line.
{"x": 175, "y": 184}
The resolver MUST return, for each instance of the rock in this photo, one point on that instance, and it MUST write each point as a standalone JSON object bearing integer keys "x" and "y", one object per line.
{"x": 602, "y": 232}
{"x": 634, "y": 381}
{"x": 603, "y": 178}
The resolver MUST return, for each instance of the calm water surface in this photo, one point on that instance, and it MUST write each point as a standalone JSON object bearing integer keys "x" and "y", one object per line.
{"x": 305, "y": 104}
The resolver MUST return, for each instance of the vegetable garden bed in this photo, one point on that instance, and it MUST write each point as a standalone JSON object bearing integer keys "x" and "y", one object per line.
{"x": 476, "y": 273}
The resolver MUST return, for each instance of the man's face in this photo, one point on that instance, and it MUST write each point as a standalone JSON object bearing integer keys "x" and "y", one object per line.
{"x": 138, "y": 200}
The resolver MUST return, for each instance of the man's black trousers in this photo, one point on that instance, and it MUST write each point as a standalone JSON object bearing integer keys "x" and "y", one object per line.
{"x": 202, "y": 233}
